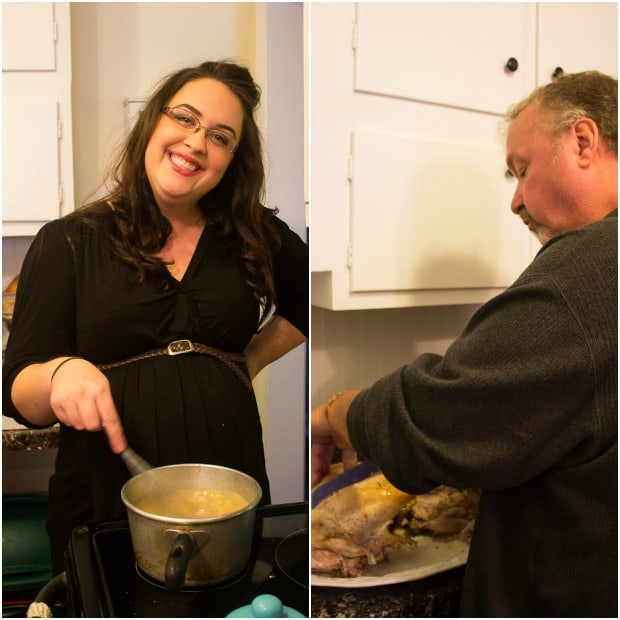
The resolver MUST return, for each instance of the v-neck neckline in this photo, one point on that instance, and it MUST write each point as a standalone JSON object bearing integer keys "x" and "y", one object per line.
{"x": 196, "y": 254}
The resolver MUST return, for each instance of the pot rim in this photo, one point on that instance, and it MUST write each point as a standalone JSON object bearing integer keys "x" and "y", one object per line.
{"x": 185, "y": 520}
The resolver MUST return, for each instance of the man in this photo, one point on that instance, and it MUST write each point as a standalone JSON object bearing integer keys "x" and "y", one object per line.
{"x": 523, "y": 405}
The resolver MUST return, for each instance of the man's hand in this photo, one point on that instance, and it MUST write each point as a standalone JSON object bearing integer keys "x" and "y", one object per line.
{"x": 328, "y": 432}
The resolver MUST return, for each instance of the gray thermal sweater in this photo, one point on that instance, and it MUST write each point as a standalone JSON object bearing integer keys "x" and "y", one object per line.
{"x": 523, "y": 405}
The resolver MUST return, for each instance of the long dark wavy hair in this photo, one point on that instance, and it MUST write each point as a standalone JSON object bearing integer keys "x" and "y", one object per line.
{"x": 234, "y": 207}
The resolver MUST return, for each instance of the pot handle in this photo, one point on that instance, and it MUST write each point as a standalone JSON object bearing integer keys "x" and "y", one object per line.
{"x": 178, "y": 559}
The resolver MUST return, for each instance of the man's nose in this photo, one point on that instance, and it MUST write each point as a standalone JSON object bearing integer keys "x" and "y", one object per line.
{"x": 517, "y": 200}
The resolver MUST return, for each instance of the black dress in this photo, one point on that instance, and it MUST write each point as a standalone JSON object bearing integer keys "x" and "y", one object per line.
{"x": 76, "y": 298}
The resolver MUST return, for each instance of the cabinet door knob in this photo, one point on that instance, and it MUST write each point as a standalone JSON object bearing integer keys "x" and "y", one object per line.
{"x": 557, "y": 72}
{"x": 512, "y": 64}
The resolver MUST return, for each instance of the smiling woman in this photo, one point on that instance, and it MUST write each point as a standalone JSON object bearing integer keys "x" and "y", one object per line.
{"x": 181, "y": 249}
{"x": 183, "y": 163}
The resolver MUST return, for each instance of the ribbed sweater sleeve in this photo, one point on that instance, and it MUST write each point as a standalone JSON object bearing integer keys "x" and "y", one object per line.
{"x": 518, "y": 391}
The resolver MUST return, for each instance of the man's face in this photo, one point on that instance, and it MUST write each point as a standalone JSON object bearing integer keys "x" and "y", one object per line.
{"x": 546, "y": 174}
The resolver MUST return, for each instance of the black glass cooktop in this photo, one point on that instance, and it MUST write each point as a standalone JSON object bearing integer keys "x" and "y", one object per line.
{"x": 105, "y": 581}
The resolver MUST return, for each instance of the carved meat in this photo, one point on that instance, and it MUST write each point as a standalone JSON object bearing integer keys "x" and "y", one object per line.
{"x": 350, "y": 528}
{"x": 360, "y": 525}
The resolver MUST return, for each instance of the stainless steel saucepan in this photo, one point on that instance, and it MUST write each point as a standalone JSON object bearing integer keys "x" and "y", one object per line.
{"x": 191, "y": 552}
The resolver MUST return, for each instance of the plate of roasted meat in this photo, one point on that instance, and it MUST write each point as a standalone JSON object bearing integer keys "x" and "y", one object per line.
{"x": 366, "y": 532}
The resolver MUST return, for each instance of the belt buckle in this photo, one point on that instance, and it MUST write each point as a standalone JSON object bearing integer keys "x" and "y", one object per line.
{"x": 178, "y": 347}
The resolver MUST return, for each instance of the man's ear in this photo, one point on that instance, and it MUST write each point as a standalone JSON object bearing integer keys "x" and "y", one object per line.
{"x": 586, "y": 133}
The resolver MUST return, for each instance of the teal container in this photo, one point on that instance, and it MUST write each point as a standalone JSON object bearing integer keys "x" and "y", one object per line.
{"x": 26, "y": 557}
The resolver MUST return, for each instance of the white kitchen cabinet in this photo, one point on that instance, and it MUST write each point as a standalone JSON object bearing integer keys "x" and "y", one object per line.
{"x": 475, "y": 56}
{"x": 31, "y": 172}
{"x": 576, "y": 37}
{"x": 409, "y": 201}
{"x": 439, "y": 197}
{"x": 37, "y": 149}
{"x": 28, "y": 36}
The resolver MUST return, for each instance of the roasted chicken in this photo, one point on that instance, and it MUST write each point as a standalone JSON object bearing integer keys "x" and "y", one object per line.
{"x": 362, "y": 524}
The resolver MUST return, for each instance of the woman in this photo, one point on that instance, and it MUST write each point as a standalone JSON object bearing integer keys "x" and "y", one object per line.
{"x": 181, "y": 257}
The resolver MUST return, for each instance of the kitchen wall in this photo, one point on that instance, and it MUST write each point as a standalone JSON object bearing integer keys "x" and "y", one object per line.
{"x": 119, "y": 51}
{"x": 352, "y": 349}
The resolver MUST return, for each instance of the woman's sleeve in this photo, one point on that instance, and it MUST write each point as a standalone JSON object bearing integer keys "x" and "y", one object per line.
{"x": 291, "y": 275}
{"x": 43, "y": 324}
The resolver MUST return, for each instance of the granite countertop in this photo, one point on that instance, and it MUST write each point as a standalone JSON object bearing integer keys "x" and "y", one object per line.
{"x": 30, "y": 439}
{"x": 436, "y": 596}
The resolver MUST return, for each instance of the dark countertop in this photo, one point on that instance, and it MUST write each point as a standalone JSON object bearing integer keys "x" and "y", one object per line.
{"x": 30, "y": 439}
{"x": 436, "y": 596}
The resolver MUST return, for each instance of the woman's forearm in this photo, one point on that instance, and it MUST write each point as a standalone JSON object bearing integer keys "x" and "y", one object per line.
{"x": 31, "y": 391}
{"x": 72, "y": 391}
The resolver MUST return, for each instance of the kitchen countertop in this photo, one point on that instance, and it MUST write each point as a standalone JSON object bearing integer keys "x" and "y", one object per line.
{"x": 30, "y": 439}
{"x": 436, "y": 596}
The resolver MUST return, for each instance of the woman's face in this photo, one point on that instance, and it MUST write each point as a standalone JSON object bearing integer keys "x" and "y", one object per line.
{"x": 182, "y": 165}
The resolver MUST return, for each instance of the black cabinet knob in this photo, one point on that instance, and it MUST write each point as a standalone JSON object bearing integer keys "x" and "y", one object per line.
{"x": 512, "y": 64}
{"x": 557, "y": 73}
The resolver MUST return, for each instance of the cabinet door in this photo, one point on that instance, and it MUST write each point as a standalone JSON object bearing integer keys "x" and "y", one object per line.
{"x": 37, "y": 145}
{"x": 577, "y": 37}
{"x": 28, "y": 36}
{"x": 30, "y": 164}
{"x": 431, "y": 215}
{"x": 447, "y": 53}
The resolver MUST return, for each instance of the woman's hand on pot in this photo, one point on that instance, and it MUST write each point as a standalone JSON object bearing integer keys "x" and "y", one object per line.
{"x": 80, "y": 397}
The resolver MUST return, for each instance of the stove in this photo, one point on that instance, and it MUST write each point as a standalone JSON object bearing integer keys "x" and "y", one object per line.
{"x": 105, "y": 581}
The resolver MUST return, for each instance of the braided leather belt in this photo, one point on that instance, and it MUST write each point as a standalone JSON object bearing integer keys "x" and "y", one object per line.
{"x": 236, "y": 362}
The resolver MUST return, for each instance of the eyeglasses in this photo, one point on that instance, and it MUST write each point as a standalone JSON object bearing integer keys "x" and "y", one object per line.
{"x": 217, "y": 137}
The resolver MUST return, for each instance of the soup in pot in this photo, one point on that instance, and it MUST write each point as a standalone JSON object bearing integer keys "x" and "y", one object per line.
{"x": 193, "y": 503}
